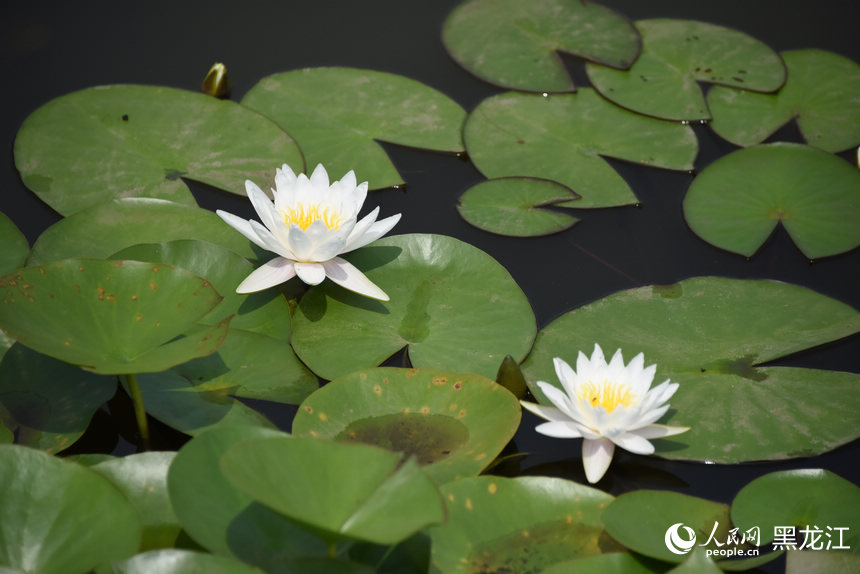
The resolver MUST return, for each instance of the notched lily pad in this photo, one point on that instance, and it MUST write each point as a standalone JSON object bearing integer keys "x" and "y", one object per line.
{"x": 513, "y": 206}
{"x": 676, "y": 55}
{"x": 454, "y": 424}
{"x": 820, "y": 92}
{"x": 515, "y": 44}
{"x": 562, "y": 138}
{"x": 108, "y": 142}
{"x": 15, "y": 247}
{"x": 336, "y": 114}
{"x": 737, "y": 201}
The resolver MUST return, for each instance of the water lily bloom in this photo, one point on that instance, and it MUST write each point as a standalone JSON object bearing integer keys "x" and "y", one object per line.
{"x": 308, "y": 225}
{"x": 607, "y": 405}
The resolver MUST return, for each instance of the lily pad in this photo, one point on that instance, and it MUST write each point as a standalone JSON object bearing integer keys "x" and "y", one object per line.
{"x": 174, "y": 561}
{"x": 42, "y": 500}
{"x": 676, "y": 55}
{"x": 711, "y": 335}
{"x": 304, "y": 479}
{"x": 562, "y": 138}
{"x": 111, "y": 317}
{"x": 737, "y": 201}
{"x": 108, "y": 142}
{"x": 454, "y": 424}
{"x": 821, "y": 562}
{"x": 614, "y": 563}
{"x": 698, "y": 562}
{"x": 512, "y": 206}
{"x": 516, "y": 45}
{"x": 807, "y": 499}
{"x": 142, "y": 478}
{"x": 517, "y": 525}
{"x": 454, "y": 306}
{"x": 100, "y": 231}
{"x": 337, "y": 114}
{"x": 46, "y": 402}
{"x": 15, "y": 247}
{"x": 820, "y": 92}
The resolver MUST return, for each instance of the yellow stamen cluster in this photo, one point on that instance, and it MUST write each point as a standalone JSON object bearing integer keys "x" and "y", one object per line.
{"x": 608, "y": 395}
{"x": 305, "y": 216}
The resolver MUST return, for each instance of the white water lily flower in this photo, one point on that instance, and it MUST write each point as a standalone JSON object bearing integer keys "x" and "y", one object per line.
{"x": 309, "y": 224}
{"x": 606, "y": 405}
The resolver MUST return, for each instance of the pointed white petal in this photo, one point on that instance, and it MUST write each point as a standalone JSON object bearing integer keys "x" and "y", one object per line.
{"x": 262, "y": 205}
{"x": 649, "y": 417}
{"x": 597, "y": 358}
{"x": 374, "y": 232}
{"x": 274, "y": 272}
{"x": 659, "y": 431}
{"x": 348, "y": 181}
{"x": 310, "y": 273}
{"x": 349, "y": 277}
{"x": 300, "y": 244}
{"x": 634, "y": 443}
{"x": 559, "y": 429}
{"x": 566, "y": 377}
{"x": 243, "y": 226}
{"x": 363, "y": 225}
{"x": 319, "y": 178}
{"x": 596, "y": 456}
{"x": 545, "y": 412}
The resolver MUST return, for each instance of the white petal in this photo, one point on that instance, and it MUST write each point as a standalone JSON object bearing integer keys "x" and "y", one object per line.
{"x": 596, "y": 456}
{"x": 310, "y": 273}
{"x": 349, "y": 277}
{"x": 262, "y": 205}
{"x": 557, "y": 397}
{"x": 374, "y": 232}
{"x": 659, "y": 431}
{"x": 348, "y": 181}
{"x": 597, "y": 358}
{"x": 285, "y": 184}
{"x": 559, "y": 429}
{"x": 319, "y": 178}
{"x": 300, "y": 244}
{"x": 649, "y": 417}
{"x": 545, "y": 412}
{"x": 243, "y": 226}
{"x": 635, "y": 366}
{"x": 268, "y": 240}
{"x": 271, "y": 273}
{"x": 634, "y": 443}
{"x": 566, "y": 376}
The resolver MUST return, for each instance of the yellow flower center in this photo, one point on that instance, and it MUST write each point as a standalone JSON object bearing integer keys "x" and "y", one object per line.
{"x": 304, "y": 216}
{"x": 608, "y": 395}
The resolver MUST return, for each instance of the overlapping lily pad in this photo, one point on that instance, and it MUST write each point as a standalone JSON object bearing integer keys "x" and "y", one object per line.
{"x": 820, "y": 92}
{"x": 107, "y": 142}
{"x": 174, "y": 561}
{"x": 336, "y": 114}
{"x": 737, "y": 201}
{"x": 304, "y": 479}
{"x": 676, "y": 54}
{"x": 513, "y": 206}
{"x": 711, "y": 335}
{"x": 516, "y": 44}
{"x": 103, "y": 230}
{"x": 42, "y": 500}
{"x": 15, "y": 247}
{"x": 517, "y": 525}
{"x": 111, "y": 317}
{"x": 454, "y": 424}
{"x": 452, "y": 305}
{"x": 562, "y": 138}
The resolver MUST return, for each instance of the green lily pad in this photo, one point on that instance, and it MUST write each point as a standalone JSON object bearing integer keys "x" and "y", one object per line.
{"x": 454, "y": 306}
{"x": 111, "y": 317}
{"x": 676, "y": 54}
{"x": 614, "y": 563}
{"x": 512, "y": 206}
{"x": 710, "y": 334}
{"x": 820, "y": 92}
{"x": 305, "y": 479}
{"x": 698, "y": 562}
{"x": 454, "y": 424}
{"x": 338, "y": 114}
{"x": 737, "y": 201}
{"x": 821, "y": 562}
{"x": 516, "y": 45}
{"x": 142, "y": 478}
{"x": 102, "y": 230}
{"x": 46, "y": 402}
{"x": 223, "y": 519}
{"x": 6, "y": 435}
{"x": 517, "y": 525}
{"x": 42, "y": 500}
{"x": 173, "y": 561}
{"x": 107, "y": 142}
{"x": 811, "y": 499}
{"x": 15, "y": 247}
{"x": 562, "y": 138}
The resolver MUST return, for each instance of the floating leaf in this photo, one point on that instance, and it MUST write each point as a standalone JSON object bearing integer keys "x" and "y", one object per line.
{"x": 676, "y": 54}
{"x": 516, "y": 44}
{"x": 42, "y": 500}
{"x": 111, "y": 317}
{"x": 454, "y": 424}
{"x": 108, "y": 142}
{"x": 710, "y": 335}
{"x": 698, "y": 562}
{"x": 304, "y": 479}
{"x": 453, "y": 305}
{"x": 15, "y": 247}
{"x": 561, "y": 138}
{"x": 614, "y": 563}
{"x": 512, "y": 206}
{"x": 142, "y": 478}
{"x": 48, "y": 403}
{"x": 173, "y": 561}
{"x": 518, "y": 525}
{"x": 337, "y": 114}
{"x": 102, "y": 230}
{"x": 820, "y": 92}
{"x": 737, "y": 201}
{"x": 821, "y": 562}
{"x": 6, "y": 435}
{"x": 806, "y": 499}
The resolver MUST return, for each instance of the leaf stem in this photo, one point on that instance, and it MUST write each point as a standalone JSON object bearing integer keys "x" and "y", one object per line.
{"x": 139, "y": 411}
